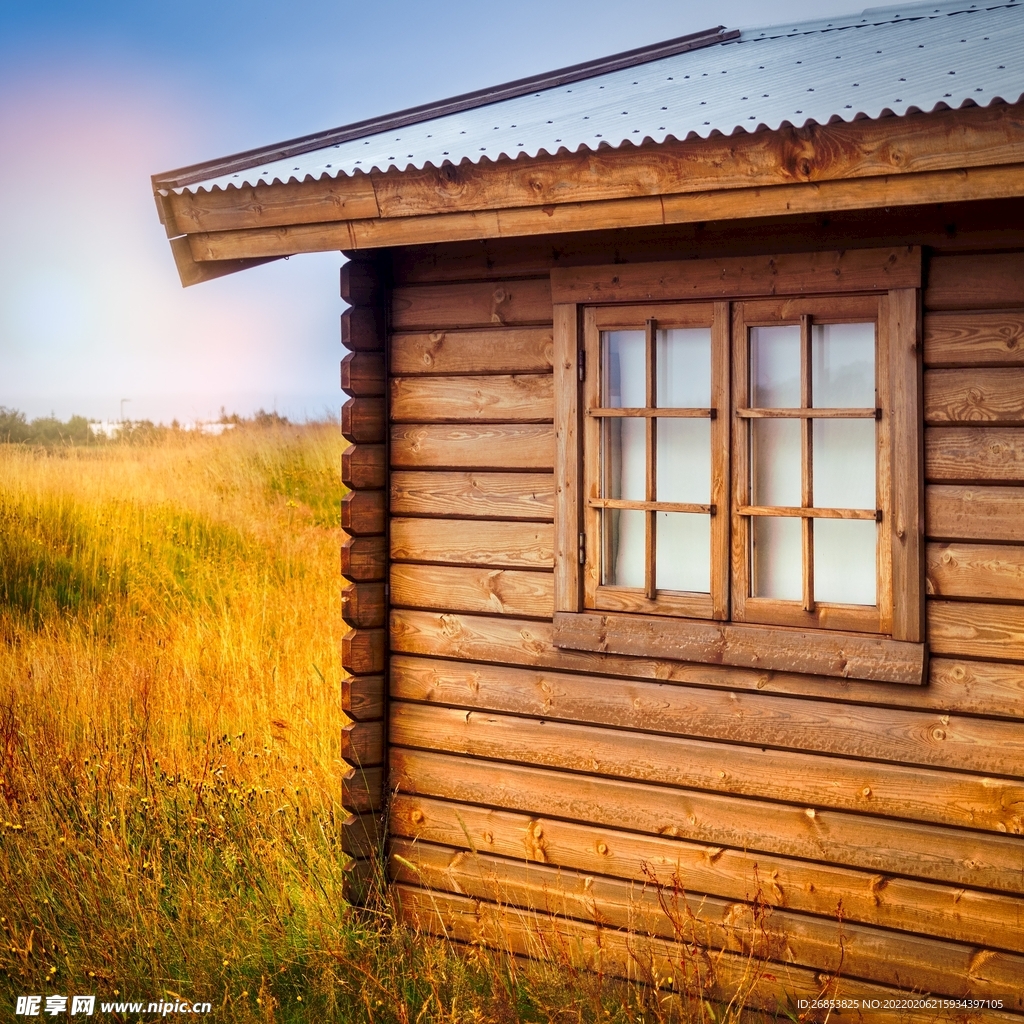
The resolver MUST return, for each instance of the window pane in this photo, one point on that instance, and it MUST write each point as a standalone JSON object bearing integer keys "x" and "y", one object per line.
{"x": 623, "y": 536}
{"x": 684, "y": 368}
{"x": 843, "y": 366}
{"x": 624, "y": 459}
{"x": 775, "y": 462}
{"x": 624, "y": 369}
{"x": 683, "y": 552}
{"x": 844, "y": 463}
{"x": 777, "y": 563}
{"x": 775, "y": 367}
{"x": 684, "y": 461}
{"x": 844, "y": 561}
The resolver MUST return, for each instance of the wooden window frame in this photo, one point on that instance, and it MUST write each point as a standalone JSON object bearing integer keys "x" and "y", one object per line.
{"x": 597, "y": 319}
{"x": 884, "y": 645}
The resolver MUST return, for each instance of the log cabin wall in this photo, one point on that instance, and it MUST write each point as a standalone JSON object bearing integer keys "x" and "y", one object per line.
{"x": 880, "y": 824}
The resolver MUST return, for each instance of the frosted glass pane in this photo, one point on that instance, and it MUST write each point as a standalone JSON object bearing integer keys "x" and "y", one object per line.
{"x": 844, "y": 463}
{"x": 624, "y": 459}
{"x": 684, "y": 368}
{"x": 684, "y": 461}
{"x": 777, "y": 569}
{"x": 843, "y": 366}
{"x": 683, "y": 552}
{"x": 775, "y": 367}
{"x": 624, "y": 547}
{"x": 775, "y": 462}
{"x": 844, "y": 561}
{"x": 624, "y": 369}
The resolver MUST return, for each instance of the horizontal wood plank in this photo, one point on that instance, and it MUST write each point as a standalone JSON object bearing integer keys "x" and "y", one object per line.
{"x": 450, "y": 306}
{"x": 362, "y": 329}
{"x": 980, "y": 571}
{"x": 363, "y": 512}
{"x": 976, "y": 630}
{"x": 362, "y": 697}
{"x": 363, "y": 421}
{"x": 473, "y": 446}
{"x": 975, "y": 513}
{"x": 362, "y": 744}
{"x": 757, "y": 719}
{"x": 527, "y": 496}
{"x": 364, "y": 559}
{"x": 970, "y": 454}
{"x": 974, "y": 339}
{"x": 364, "y": 466}
{"x": 361, "y": 281}
{"x": 990, "y": 281}
{"x": 660, "y": 908}
{"x": 360, "y": 835}
{"x": 473, "y": 542}
{"x": 741, "y": 276}
{"x": 887, "y": 901}
{"x": 647, "y": 959}
{"x": 363, "y": 605}
{"x": 362, "y": 789}
{"x": 362, "y": 374}
{"x": 954, "y": 685}
{"x": 497, "y": 591}
{"x": 974, "y": 395}
{"x": 522, "y": 398}
{"x": 363, "y": 651}
{"x": 809, "y": 780}
{"x": 494, "y": 350}
{"x": 953, "y": 856}
{"x": 847, "y": 655}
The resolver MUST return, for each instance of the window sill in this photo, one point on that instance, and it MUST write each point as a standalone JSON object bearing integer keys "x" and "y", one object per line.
{"x": 772, "y": 648}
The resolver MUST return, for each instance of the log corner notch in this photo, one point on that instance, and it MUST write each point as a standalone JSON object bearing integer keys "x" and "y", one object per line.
{"x": 364, "y": 569}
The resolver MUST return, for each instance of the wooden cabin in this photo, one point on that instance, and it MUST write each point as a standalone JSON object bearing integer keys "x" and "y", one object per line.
{"x": 685, "y": 557}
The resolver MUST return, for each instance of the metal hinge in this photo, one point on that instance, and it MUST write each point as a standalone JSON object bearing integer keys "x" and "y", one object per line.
{"x": 583, "y": 549}
{"x": 581, "y": 364}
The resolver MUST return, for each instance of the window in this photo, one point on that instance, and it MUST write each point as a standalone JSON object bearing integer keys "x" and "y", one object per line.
{"x": 746, "y": 462}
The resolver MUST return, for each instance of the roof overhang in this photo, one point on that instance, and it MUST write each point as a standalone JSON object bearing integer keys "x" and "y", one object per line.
{"x": 950, "y": 156}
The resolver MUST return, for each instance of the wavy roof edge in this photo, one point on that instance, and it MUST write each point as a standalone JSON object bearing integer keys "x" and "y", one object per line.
{"x": 204, "y": 174}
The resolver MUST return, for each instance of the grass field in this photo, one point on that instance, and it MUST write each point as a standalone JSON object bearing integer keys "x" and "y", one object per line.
{"x": 169, "y": 750}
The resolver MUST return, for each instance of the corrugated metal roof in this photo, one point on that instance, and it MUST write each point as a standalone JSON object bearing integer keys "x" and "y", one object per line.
{"x": 892, "y": 60}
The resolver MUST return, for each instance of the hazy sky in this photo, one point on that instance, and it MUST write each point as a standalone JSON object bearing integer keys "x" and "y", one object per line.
{"x": 96, "y": 96}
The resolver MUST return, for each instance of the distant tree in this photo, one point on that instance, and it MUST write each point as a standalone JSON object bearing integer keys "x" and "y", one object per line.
{"x": 13, "y": 428}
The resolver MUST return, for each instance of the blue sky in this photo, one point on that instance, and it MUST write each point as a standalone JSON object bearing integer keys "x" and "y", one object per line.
{"x": 95, "y": 97}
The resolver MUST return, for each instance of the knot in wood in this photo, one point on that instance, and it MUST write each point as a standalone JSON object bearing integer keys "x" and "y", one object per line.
{"x": 417, "y": 816}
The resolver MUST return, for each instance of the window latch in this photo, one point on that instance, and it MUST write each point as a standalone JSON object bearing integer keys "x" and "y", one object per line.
{"x": 583, "y": 549}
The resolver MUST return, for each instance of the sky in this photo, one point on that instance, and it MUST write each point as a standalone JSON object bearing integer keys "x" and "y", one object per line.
{"x": 97, "y": 96}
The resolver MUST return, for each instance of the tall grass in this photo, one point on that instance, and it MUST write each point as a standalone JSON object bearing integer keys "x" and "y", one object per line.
{"x": 169, "y": 750}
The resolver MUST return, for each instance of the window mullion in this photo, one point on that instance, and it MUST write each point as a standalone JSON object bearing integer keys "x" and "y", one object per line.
{"x": 806, "y": 464}
{"x": 651, "y": 430}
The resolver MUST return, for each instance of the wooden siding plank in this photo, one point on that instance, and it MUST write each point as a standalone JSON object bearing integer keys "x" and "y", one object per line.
{"x": 910, "y": 737}
{"x": 450, "y": 306}
{"x": 810, "y": 780}
{"x": 362, "y": 744}
{"x": 473, "y": 542}
{"x": 974, "y": 395}
{"x": 985, "y": 571}
{"x": 865, "y": 270}
{"x": 524, "y": 496}
{"x": 887, "y": 901}
{"x": 991, "y": 281}
{"x": 364, "y": 420}
{"x": 498, "y": 591}
{"x": 364, "y": 559}
{"x": 974, "y": 339}
{"x": 660, "y": 909}
{"x": 363, "y": 512}
{"x": 744, "y": 645}
{"x": 362, "y": 374}
{"x": 975, "y": 513}
{"x": 495, "y": 350}
{"x": 363, "y": 605}
{"x": 362, "y": 789}
{"x": 973, "y": 687}
{"x": 976, "y": 630}
{"x": 473, "y": 446}
{"x": 640, "y": 957}
{"x": 362, "y": 697}
{"x": 954, "y": 856}
{"x": 364, "y": 466}
{"x": 970, "y": 454}
{"x": 521, "y": 398}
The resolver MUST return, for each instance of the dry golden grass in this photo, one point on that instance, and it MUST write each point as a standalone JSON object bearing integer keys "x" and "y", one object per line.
{"x": 169, "y": 744}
